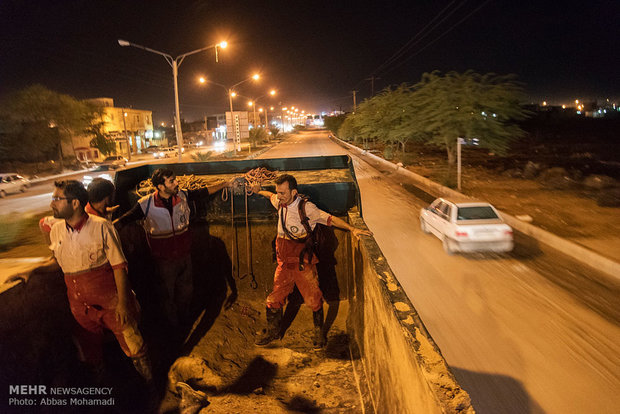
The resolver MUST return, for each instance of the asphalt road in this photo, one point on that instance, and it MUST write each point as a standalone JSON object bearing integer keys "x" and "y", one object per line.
{"x": 38, "y": 197}
{"x": 528, "y": 332}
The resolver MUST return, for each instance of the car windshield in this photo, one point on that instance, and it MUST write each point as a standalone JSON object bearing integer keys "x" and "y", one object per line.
{"x": 476, "y": 213}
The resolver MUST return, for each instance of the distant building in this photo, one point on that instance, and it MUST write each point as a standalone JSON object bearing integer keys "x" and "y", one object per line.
{"x": 204, "y": 132}
{"x": 127, "y": 126}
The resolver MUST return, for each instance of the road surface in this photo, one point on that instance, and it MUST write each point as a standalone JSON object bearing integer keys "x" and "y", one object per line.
{"x": 515, "y": 339}
{"x": 37, "y": 198}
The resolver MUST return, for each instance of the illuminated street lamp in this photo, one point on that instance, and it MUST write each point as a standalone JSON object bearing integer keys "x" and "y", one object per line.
{"x": 272, "y": 93}
{"x": 232, "y": 94}
{"x": 229, "y": 91}
{"x": 175, "y": 63}
{"x": 266, "y": 117}
{"x": 250, "y": 103}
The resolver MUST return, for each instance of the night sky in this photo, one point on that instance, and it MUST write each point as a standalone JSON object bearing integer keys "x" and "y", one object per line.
{"x": 313, "y": 53}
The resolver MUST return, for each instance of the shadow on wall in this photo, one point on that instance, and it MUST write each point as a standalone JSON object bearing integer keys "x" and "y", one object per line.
{"x": 496, "y": 393}
{"x": 212, "y": 279}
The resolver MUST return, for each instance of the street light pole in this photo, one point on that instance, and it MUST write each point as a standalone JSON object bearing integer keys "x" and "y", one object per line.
{"x": 126, "y": 136}
{"x": 231, "y": 94}
{"x": 177, "y": 120}
{"x": 459, "y": 142}
{"x": 254, "y": 114}
{"x": 175, "y": 63}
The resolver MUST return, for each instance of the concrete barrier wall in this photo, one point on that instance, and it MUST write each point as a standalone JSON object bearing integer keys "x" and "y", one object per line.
{"x": 405, "y": 370}
{"x": 35, "y": 333}
{"x": 610, "y": 268}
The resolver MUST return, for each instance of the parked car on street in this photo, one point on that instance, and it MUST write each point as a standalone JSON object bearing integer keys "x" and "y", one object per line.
{"x": 115, "y": 161}
{"x": 11, "y": 183}
{"x": 466, "y": 226}
{"x": 151, "y": 149}
{"x": 165, "y": 153}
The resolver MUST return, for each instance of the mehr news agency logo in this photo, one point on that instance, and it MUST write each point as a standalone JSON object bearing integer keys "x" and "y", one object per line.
{"x": 42, "y": 395}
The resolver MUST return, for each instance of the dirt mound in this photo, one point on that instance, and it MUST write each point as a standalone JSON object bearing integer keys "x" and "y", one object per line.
{"x": 288, "y": 376}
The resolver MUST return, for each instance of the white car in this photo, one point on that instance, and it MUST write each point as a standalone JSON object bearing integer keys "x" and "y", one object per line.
{"x": 115, "y": 161}
{"x": 467, "y": 226}
{"x": 165, "y": 153}
{"x": 87, "y": 179}
{"x": 12, "y": 183}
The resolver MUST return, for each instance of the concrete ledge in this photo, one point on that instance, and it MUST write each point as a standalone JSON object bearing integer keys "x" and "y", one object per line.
{"x": 609, "y": 267}
{"x": 404, "y": 368}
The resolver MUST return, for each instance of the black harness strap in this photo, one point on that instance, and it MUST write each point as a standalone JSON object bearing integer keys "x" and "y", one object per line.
{"x": 309, "y": 248}
{"x": 308, "y": 240}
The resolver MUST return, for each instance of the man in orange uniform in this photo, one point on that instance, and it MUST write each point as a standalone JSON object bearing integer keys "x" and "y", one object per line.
{"x": 88, "y": 250}
{"x": 290, "y": 243}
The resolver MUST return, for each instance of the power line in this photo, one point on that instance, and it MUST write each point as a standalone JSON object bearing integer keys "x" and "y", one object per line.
{"x": 439, "y": 37}
{"x": 419, "y": 36}
{"x": 392, "y": 63}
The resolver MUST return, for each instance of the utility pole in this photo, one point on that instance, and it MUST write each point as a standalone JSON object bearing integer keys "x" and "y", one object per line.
{"x": 372, "y": 84}
{"x": 175, "y": 62}
{"x": 459, "y": 142}
{"x": 126, "y": 136}
{"x": 354, "y": 102}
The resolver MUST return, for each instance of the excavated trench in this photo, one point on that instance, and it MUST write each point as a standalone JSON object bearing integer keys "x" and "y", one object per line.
{"x": 379, "y": 356}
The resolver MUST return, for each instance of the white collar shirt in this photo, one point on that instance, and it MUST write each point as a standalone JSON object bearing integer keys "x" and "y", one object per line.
{"x": 91, "y": 246}
{"x": 289, "y": 214}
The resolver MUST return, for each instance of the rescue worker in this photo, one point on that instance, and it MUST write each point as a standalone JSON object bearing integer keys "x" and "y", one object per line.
{"x": 88, "y": 250}
{"x": 166, "y": 215}
{"x": 100, "y": 192}
{"x": 290, "y": 243}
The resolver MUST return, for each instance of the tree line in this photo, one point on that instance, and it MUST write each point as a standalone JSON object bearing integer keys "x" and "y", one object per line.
{"x": 438, "y": 110}
{"x": 35, "y": 121}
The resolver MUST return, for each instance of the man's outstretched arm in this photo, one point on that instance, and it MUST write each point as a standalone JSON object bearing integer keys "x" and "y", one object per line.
{"x": 341, "y": 224}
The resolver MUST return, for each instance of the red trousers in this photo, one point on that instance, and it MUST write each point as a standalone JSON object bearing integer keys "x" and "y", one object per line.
{"x": 288, "y": 275}
{"x": 93, "y": 299}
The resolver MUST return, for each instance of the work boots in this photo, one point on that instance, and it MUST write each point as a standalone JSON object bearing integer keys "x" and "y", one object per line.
{"x": 143, "y": 366}
{"x": 274, "y": 319}
{"x": 318, "y": 339}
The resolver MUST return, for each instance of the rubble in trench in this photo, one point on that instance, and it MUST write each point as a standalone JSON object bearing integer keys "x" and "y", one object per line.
{"x": 226, "y": 373}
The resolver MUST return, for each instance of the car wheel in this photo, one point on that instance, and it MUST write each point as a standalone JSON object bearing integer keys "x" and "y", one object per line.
{"x": 448, "y": 246}
{"x": 23, "y": 189}
{"x": 2, "y": 194}
{"x": 423, "y": 226}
